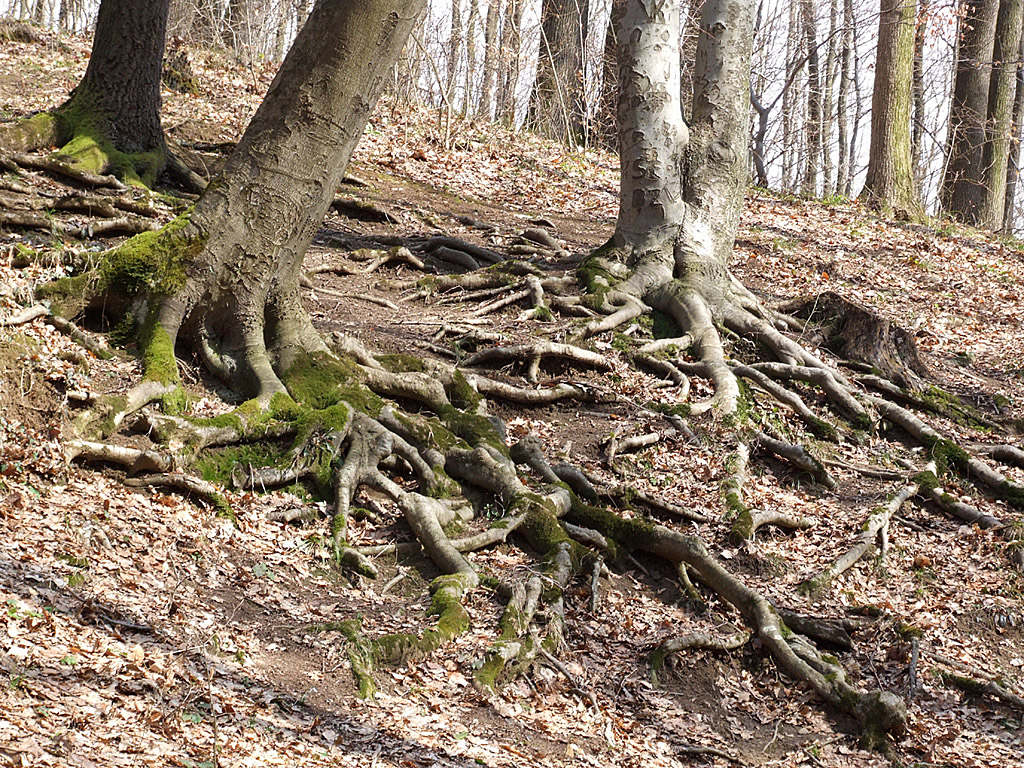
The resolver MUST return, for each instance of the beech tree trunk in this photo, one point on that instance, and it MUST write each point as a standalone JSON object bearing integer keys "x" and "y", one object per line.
{"x": 557, "y": 109}
{"x": 242, "y": 246}
{"x": 682, "y": 185}
{"x": 963, "y": 182}
{"x": 606, "y": 120}
{"x": 890, "y": 182}
{"x": 842, "y": 113}
{"x": 511, "y": 44}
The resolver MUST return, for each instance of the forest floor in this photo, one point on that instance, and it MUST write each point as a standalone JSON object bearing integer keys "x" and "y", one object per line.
{"x": 139, "y": 628}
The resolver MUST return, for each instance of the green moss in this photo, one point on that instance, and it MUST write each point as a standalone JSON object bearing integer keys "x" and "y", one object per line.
{"x": 628, "y": 535}
{"x": 947, "y": 455}
{"x": 596, "y": 276}
{"x": 320, "y": 381}
{"x": 452, "y": 620}
{"x": 743, "y": 527}
{"x": 824, "y": 430}
{"x": 159, "y": 364}
{"x": 399, "y": 363}
{"x": 664, "y": 326}
{"x": 471, "y": 428}
{"x": 461, "y": 393}
{"x": 541, "y": 527}
{"x": 360, "y": 655}
{"x": 152, "y": 263}
{"x": 86, "y": 132}
{"x": 1011, "y": 494}
{"x": 861, "y": 421}
{"x": 216, "y": 465}
{"x": 68, "y": 296}
{"x": 926, "y": 481}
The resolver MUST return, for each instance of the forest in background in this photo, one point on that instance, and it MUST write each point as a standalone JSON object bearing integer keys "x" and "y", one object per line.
{"x": 769, "y": 241}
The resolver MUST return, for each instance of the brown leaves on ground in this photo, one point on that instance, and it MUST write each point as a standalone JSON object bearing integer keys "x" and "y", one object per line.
{"x": 139, "y": 629}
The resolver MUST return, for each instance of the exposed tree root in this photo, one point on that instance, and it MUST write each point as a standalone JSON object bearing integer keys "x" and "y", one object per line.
{"x": 55, "y": 165}
{"x": 874, "y": 533}
{"x": 194, "y": 485}
{"x": 123, "y": 225}
{"x": 975, "y": 682}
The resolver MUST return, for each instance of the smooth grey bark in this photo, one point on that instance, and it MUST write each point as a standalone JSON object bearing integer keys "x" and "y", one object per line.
{"x": 469, "y": 86}
{"x": 790, "y": 155}
{"x": 682, "y": 185}
{"x": 842, "y": 112}
{"x": 851, "y": 168}
{"x": 917, "y": 122}
{"x": 240, "y": 307}
{"x": 828, "y": 114}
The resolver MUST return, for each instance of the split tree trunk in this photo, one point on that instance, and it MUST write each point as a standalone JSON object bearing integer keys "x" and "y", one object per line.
{"x": 999, "y": 122}
{"x": 963, "y": 183}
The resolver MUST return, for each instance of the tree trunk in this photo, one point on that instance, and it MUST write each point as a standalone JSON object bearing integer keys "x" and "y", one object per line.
{"x": 470, "y": 82}
{"x": 455, "y": 45}
{"x": 962, "y": 190}
{"x": 511, "y": 47}
{"x": 809, "y": 185}
{"x": 842, "y": 110}
{"x": 1013, "y": 169}
{"x": 789, "y": 99}
{"x": 606, "y": 120}
{"x": 918, "y": 120}
{"x": 491, "y": 58}
{"x": 828, "y": 115}
{"x": 236, "y": 302}
{"x": 999, "y": 120}
{"x": 557, "y": 109}
{"x": 111, "y": 122}
{"x": 851, "y": 168}
{"x": 890, "y": 181}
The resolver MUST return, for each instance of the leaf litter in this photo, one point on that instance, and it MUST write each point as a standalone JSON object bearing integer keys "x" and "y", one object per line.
{"x": 141, "y": 629}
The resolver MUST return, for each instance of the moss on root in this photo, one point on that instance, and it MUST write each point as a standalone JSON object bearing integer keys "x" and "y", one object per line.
{"x": 149, "y": 266}
{"x": 452, "y": 620}
{"x": 320, "y": 381}
{"x": 159, "y": 364}
{"x": 85, "y": 132}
